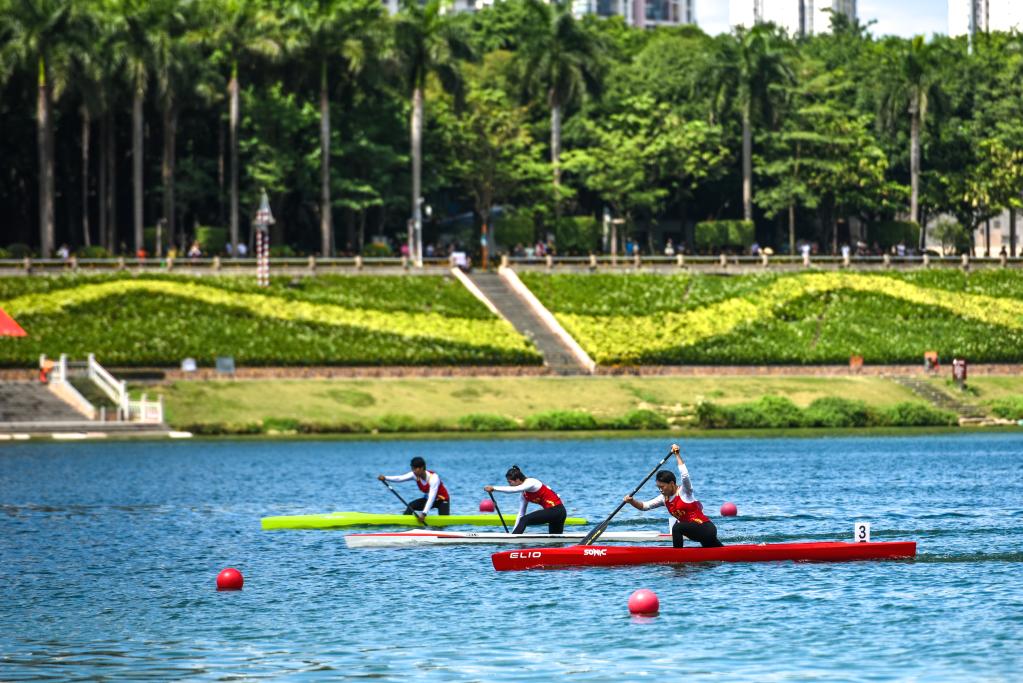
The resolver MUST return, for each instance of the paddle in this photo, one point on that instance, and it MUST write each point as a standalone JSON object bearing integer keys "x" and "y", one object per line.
{"x": 602, "y": 527}
{"x": 422, "y": 520}
{"x": 498, "y": 509}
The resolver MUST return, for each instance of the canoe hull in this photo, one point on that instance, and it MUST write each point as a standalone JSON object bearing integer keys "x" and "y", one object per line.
{"x": 611, "y": 556}
{"x": 420, "y": 538}
{"x": 335, "y": 520}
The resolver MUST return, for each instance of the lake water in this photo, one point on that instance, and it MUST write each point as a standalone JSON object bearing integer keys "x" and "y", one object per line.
{"x": 109, "y": 554}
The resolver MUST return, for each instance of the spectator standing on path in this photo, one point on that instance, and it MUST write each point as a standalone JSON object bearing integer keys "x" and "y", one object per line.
{"x": 243, "y": 250}
{"x": 669, "y": 248}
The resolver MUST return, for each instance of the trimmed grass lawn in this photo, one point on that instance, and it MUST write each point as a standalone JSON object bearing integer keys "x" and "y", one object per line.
{"x": 447, "y": 399}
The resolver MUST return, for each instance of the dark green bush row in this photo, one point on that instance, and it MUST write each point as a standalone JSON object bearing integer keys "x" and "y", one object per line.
{"x": 773, "y": 412}
{"x": 478, "y": 422}
{"x": 1008, "y": 408}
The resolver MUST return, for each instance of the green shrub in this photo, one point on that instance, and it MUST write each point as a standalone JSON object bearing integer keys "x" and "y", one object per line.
{"x": 889, "y": 233}
{"x": 282, "y": 251}
{"x": 93, "y": 251}
{"x": 641, "y": 419}
{"x": 717, "y": 234}
{"x": 4, "y": 253}
{"x": 577, "y": 234}
{"x": 212, "y": 240}
{"x": 514, "y": 227}
{"x": 19, "y": 250}
{"x": 770, "y": 412}
{"x": 377, "y": 250}
{"x": 221, "y": 428}
{"x": 1008, "y": 408}
{"x": 149, "y": 240}
{"x": 486, "y": 422}
{"x": 280, "y": 424}
{"x": 561, "y": 420}
{"x": 832, "y": 411}
{"x": 710, "y": 415}
{"x": 917, "y": 414}
{"x": 332, "y": 428}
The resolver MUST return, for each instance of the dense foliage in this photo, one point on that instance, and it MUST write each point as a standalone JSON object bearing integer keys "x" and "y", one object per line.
{"x": 790, "y": 319}
{"x": 184, "y": 111}
{"x": 362, "y": 320}
{"x": 774, "y": 412}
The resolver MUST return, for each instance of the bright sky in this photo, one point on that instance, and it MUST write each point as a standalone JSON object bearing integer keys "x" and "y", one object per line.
{"x": 898, "y": 17}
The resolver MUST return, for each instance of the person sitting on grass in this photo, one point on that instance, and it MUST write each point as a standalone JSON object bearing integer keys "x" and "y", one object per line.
{"x": 430, "y": 484}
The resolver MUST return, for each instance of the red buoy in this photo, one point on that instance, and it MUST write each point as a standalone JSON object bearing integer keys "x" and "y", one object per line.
{"x": 230, "y": 579}
{"x": 729, "y": 510}
{"x": 644, "y": 602}
{"x": 486, "y": 505}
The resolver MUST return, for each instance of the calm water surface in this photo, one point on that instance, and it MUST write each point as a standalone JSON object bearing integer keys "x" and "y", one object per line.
{"x": 109, "y": 553}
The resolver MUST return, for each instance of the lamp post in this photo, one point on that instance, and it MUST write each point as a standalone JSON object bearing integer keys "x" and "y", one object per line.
{"x": 264, "y": 219}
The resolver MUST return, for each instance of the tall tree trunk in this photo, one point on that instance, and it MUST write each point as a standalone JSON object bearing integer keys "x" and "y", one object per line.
{"x": 747, "y": 164}
{"x": 44, "y": 141}
{"x": 914, "y": 162}
{"x": 326, "y": 224}
{"x": 220, "y": 173}
{"x": 556, "y": 152}
{"x": 167, "y": 166}
{"x": 102, "y": 194}
{"x": 1012, "y": 233}
{"x": 233, "y": 94}
{"x": 792, "y": 229}
{"x": 415, "y": 241}
{"x": 86, "y": 128}
{"x": 136, "y": 168}
{"x": 485, "y": 240}
{"x": 114, "y": 245}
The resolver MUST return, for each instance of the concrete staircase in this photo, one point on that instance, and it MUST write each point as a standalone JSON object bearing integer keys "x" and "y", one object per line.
{"x": 927, "y": 391}
{"x": 25, "y": 402}
{"x": 556, "y": 355}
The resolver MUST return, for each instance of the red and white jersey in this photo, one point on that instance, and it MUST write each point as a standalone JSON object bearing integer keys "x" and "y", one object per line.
{"x": 533, "y": 491}
{"x": 683, "y": 506}
{"x": 431, "y": 486}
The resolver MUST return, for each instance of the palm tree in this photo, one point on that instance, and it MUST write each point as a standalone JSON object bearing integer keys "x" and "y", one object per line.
{"x": 559, "y": 64}
{"x": 425, "y": 43}
{"x": 37, "y": 33}
{"x": 332, "y": 31}
{"x": 912, "y": 82}
{"x": 749, "y": 68}
{"x": 235, "y": 30}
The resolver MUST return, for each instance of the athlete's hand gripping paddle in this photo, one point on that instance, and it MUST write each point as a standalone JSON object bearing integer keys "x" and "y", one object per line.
{"x": 602, "y": 527}
{"x": 498, "y": 510}
{"x": 422, "y": 520}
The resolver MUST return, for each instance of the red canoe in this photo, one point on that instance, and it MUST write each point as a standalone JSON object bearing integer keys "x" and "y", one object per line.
{"x": 613, "y": 556}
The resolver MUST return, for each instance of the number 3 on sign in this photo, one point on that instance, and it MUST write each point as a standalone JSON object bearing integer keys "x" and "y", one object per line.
{"x": 861, "y": 532}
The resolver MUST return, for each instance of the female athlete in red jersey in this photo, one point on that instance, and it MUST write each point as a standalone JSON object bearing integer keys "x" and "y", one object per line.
{"x": 430, "y": 484}
{"x": 533, "y": 491}
{"x": 688, "y": 520}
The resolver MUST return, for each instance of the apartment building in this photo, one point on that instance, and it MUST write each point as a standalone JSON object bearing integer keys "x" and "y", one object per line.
{"x": 967, "y": 17}
{"x": 798, "y": 17}
{"x": 641, "y": 13}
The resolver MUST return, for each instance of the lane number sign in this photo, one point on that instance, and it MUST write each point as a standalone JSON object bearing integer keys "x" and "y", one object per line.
{"x": 861, "y": 532}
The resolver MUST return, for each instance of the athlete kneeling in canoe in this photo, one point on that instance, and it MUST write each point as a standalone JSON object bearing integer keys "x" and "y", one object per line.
{"x": 430, "y": 484}
{"x": 688, "y": 520}
{"x": 533, "y": 491}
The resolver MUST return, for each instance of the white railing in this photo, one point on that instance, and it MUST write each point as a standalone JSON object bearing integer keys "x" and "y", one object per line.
{"x": 128, "y": 409}
{"x": 57, "y": 382}
{"x": 115, "y": 389}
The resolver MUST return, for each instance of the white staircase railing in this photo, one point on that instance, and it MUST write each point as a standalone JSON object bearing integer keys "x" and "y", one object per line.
{"x": 128, "y": 409}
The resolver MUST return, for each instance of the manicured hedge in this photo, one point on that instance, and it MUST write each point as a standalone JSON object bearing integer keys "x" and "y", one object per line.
{"x": 367, "y": 320}
{"x": 803, "y": 318}
{"x": 773, "y": 412}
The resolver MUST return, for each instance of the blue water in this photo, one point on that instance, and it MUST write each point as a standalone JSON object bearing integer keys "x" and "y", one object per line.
{"x": 109, "y": 553}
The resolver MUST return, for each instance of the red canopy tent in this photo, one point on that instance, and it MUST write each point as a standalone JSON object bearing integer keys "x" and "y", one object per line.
{"x": 9, "y": 328}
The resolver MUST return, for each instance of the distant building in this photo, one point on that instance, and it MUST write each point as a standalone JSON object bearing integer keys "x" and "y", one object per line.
{"x": 641, "y": 13}
{"x": 967, "y": 17}
{"x": 798, "y": 17}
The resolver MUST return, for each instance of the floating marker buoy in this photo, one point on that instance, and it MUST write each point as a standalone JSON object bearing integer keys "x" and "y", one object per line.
{"x": 644, "y": 602}
{"x": 486, "y": 505}
{"x": 729, "y": 510}
{"x": 230, "y": 579}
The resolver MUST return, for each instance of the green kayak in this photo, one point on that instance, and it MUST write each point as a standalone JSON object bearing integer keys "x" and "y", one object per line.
{"x": 332, "y": 520}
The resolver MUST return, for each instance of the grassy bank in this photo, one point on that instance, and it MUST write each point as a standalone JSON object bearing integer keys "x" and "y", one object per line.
{"x": 506, "y": 404}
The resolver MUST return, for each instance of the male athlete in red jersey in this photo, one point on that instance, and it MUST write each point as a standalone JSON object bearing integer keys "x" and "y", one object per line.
{"x": 430, "y": 484}
{"x": 533, "y": 491}
{"x": 687, "y": 518}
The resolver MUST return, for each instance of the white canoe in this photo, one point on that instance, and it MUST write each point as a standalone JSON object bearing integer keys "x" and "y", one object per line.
{"x": 424, "y": 537}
